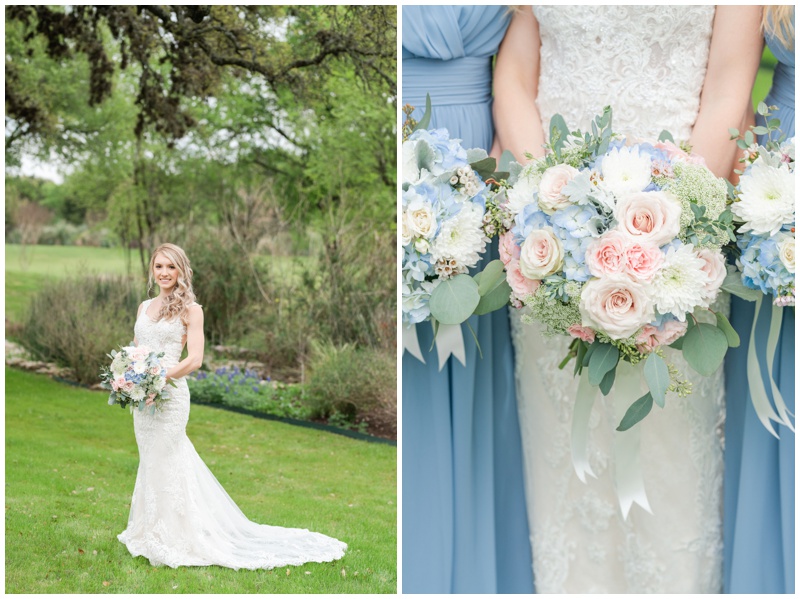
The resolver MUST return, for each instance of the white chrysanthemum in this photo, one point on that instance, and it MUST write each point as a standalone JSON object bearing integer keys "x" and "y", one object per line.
{"x": 680, "y": 286}
{"x": 625, "y": 170}
{"x": 137, "y": 394}
{"x": 522, "y": 193}
{"x": 766, "y": 199}
{"x": 461, "y": 237}
{"x": 160, "y": 383}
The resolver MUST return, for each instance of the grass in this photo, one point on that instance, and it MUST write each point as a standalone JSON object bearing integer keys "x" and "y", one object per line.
{"x": 70, "y": 468}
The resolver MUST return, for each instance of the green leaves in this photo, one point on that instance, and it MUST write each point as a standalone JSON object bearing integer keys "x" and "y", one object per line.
{"x": 455, "y": 299}
{"x": 656, "y": 374}
{"x": 638, "y": 410}
{"x": 425, "y": 121}
{"x": 704, "y": 347}
{"x": 604, "y": 358}
{"x": 485, "y": 167}
{"x": 724, "y": 325}
{"x": 492, "y": 287}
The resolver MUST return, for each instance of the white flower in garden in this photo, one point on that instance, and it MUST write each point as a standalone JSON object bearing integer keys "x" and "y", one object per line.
{"x": 461, "y": 237}
{"x": 524, "y": 190}
{"x": 786, "y": 252}
{"x": 541, "y": 254}
{"x": 625, "y": 170}
{"x": 766, "y": 199}
{"x": 411, "y": 172}
{"x": 681, "y": 284}
{"x": 421, "y": 219}
{"x": 553, "y": 181}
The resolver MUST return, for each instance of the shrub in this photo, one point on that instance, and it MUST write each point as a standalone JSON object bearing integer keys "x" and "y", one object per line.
{"x": 76, "y": 322}
{"x": 245, "y": 389}
{"x": 352, "y": 382}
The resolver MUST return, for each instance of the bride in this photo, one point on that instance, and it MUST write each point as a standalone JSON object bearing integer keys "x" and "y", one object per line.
{"x": 690, "y": 70}
{"x": 180, "y": 515}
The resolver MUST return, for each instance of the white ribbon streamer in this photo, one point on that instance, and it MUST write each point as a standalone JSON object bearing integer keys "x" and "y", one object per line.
{"x": 758, "y": 394}
{"x": 450, "y": 342}
{"x": 776, "y": 318}
{"x": 628, "y": 475}
{"x": 580, "y": 426}
{"x": 411, "y": 342}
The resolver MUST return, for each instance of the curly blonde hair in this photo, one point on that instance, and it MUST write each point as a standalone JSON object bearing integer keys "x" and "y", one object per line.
{"x": 779, "y": 21}
{"x": 182, "y": 296}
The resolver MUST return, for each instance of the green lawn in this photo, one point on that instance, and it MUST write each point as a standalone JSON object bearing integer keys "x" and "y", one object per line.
{"x": 70, "y": 468}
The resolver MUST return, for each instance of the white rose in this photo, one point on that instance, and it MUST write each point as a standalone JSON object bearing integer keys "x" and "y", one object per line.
{"x": 616, "y": 305}
{"x": 421, "y": 219}
{"x": 139, "y": 367}
{"x": 541, "y": 254}
{"x": 649, "y": 217}
{"x": 550, "y": 187}
{"x": 715, "y": 269}
{"x": 406, "y": 229}
{"x": 786, "y": 253}
{"x": 422, "y": 246}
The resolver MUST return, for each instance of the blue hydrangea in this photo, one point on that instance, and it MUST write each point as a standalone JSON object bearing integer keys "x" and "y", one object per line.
{"x": 761, "y": 265}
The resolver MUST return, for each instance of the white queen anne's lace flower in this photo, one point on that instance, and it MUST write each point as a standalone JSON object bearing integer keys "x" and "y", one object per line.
{"x": 681, "y": 284}
{"x": 766, "y": 199}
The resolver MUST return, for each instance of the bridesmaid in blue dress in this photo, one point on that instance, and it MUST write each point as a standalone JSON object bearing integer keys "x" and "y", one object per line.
{"x": 464, "y": 520}
{"x": 759, "y": 469}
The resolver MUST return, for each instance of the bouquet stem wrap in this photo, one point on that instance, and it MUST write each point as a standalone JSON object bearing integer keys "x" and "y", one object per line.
{"x": 758, "y": 391}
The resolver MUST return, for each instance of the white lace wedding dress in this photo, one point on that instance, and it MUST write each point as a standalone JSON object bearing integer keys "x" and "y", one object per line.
{"x": 648, "y": 63}
{"x": 180, "y": 515}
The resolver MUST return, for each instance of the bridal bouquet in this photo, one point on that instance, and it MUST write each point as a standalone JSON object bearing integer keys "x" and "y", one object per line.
{"x": 445, "y": 228}
{"x": 764, "y": 211}
{"x": 135, "y": 377}
{"x": 619, "y": 246}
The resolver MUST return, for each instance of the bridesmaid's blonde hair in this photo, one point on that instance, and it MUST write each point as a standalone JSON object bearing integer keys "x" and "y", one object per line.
{"x": 182, "y": 296}
{"x": 777, "y": 21}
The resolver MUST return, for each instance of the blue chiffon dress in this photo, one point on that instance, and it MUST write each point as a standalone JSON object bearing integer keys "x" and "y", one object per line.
{"x": 759, "y": 469}
{"x": 464, "y": 521}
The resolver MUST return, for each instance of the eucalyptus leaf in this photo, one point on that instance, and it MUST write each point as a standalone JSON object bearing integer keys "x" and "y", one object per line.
{"x": 704, "y": 348}
{"x": 485, "y": 168}
{"x": 582, "y": 349}
{"x": 666, "y": 136}
{"x": 495, "y": 299}
{"x": 589, "y": 351}
{"x": 425, "y": 121}
{"x": 762, "y": 108}
{"x": 748, "y": 137}
{"x": 760, "y": 130}
{"x": 603, "y": 359}
{"x": 638, "y": 410}
{"x": 608, "y": 381}
{"x": 490, "y": 276}
{"x": 454, "y": 300}
{"x": 656, "y": 374}
{"x": 506, "y": 158}
{"x": 774, "y": 123}
{"x": 724, "y": 325}
{"x": 733, "y": 285}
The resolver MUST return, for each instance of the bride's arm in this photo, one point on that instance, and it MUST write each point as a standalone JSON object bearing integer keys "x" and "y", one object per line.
{"x": 733, "y": 60}
{"x": 518, "y": 126}
{"x": 195, "y": 343}
{"x": 138, "y": 313}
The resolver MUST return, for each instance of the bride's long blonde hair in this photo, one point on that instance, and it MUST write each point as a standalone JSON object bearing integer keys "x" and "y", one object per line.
{"x": 182, "y": 296}
{"x": 777, "y": 21}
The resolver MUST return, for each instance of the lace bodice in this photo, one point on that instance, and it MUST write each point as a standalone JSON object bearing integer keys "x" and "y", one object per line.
{"x": 647, "y": 62}
{"x": 160, "y": 335}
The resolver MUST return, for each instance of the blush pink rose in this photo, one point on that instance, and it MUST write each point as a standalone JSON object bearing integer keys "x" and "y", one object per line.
{"x": 582, "y": 333}
{"x": 541, "y": 254}
{"x": 509, "y": 250}
{"x": 521, "y": 286}
{"x": 551, "y": 186}
{"x": 606, "y": 254}
{"x": 714, "y": 267}
{"x": 671, "y": 331}
{"x": 649, "y": 217}
{"x": 128, "y": 386}
{"x": 673, "y": 152}
{"x": 616, "y": 305}
{"x": 642, "y": 262}
{"x": 647, "y": 339}
{"x": 118, "y": 383}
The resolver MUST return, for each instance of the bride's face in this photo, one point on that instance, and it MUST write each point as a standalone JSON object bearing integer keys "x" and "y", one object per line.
{"x": 165, "y": 273}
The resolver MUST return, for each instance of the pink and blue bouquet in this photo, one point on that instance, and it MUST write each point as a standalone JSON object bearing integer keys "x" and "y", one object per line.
{"x": 617, "y": 243}
{"x": 135, "y": 378}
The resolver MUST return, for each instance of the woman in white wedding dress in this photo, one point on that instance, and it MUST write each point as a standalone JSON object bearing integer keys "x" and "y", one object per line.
{"x": 180, "y": 515}
{"x": 689, "y": 70}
